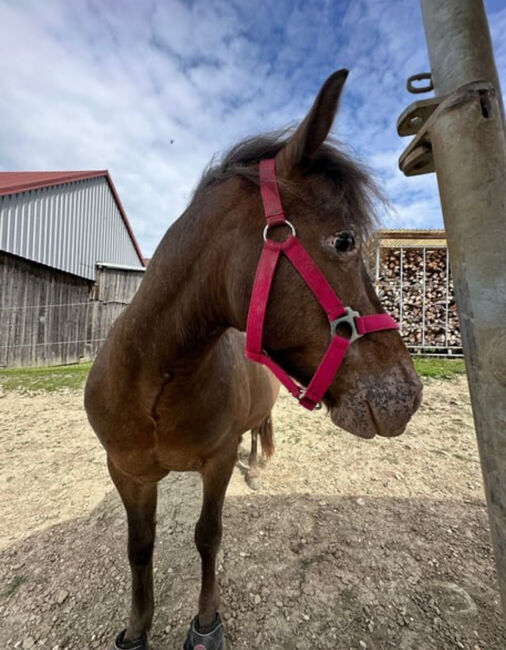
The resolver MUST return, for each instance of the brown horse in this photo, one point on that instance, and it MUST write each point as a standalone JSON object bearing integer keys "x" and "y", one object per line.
{"x": 171, "y": 389}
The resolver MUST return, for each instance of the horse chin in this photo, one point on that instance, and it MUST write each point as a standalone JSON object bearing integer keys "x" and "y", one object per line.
{"x": 363, "y": 425}
{"x": 355, "y": 426}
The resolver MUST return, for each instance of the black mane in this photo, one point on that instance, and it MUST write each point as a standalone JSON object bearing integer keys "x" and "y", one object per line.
{"x": 354, "y": 189}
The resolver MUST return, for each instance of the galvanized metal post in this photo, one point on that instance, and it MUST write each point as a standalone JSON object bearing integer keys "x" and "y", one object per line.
{"x": 469, "y": 149}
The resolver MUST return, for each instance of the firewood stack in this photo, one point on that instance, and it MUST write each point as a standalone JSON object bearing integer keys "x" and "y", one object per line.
{"x": 438, "y": 324}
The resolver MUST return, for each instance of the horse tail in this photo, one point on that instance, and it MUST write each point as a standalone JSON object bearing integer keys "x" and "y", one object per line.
{"x": 266, "y": 433}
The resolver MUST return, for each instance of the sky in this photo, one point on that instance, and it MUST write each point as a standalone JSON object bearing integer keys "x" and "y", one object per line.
{"x": 151, "y": 90}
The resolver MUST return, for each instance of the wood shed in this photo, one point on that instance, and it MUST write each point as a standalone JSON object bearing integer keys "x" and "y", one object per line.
{"x": 412, "y": 276}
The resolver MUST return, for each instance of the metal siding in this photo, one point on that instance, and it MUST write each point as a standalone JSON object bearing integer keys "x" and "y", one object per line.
{"x": 67, "y": 261}
{"x": 56, "y": 222}
{"x": 18, "y": 233}
{"x": 113, "y": 243}
{"x": 4, "y": 221}
{"x": 72, "y": 234}
{"x": 68, "y": 227}
{"x": 90, "y": 211}
{"x": 36, "y": 227}
{"x": 79, "y": 228}
{"x": 64, "y": 228}
{"x": 83, "y": 219}
{"x": 73, "y": 239}
{"x": 12, "y": 224}
{"x": 43, "y": 225}
{"x": 95, "y": 241}
{"x": 29, "y": 227}
{"x": 51, "y": 251}
{"x": 104, "y": 218}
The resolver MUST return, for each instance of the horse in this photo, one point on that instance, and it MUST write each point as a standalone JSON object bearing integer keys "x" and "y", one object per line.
{"x": 172, "y": 388}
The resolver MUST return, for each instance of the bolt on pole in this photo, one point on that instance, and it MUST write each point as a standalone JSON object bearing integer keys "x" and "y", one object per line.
{"x": 469, "y": 150}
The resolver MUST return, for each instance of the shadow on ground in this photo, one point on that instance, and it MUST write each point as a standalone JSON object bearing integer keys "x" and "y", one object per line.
{"x": 297, "y": 572}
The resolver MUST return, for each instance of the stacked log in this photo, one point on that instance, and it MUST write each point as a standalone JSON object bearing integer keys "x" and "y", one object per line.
{"x": 415, "y": 290}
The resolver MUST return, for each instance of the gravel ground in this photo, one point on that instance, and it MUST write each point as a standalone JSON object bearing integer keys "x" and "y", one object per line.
{"x": 350, "y": 544}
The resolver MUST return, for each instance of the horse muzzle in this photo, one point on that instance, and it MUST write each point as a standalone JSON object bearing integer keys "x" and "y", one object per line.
{"x": 377, "y": 408}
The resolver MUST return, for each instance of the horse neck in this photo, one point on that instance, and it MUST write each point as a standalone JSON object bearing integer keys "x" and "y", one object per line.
{"x": 180, "y": 309}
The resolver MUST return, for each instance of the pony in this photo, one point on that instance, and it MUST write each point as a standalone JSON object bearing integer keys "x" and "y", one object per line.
{"x": 171, "y": 389}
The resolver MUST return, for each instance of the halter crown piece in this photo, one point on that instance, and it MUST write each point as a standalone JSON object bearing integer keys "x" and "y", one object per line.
{"x": 337, "y": 313}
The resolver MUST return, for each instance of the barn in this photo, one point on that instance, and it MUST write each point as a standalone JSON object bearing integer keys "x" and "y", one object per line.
{"x": 69, "y": 263}
{"x": 413, "y": 279}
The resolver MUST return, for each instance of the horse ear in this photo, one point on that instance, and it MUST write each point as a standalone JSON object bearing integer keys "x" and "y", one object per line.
{"x": 315, "y": 127}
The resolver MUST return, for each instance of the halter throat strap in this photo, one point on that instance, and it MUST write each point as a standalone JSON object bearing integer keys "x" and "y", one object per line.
{"x": 337, "y": 314}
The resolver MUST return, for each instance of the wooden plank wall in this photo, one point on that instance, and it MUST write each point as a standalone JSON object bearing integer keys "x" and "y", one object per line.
{"x": 113, "y": 291}
{"x": 43, "y": 314}
{"x": 48, "y": 317}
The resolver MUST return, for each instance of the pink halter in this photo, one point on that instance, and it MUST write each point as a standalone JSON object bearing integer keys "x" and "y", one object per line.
{"x": 309, "y": 397}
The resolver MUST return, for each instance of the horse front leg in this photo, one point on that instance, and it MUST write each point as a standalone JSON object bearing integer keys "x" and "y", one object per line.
{"x": 140, "y": 505}
{"x": 206, "y": 631}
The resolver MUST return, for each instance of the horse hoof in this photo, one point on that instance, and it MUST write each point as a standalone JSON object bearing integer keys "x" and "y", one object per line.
{"x": 253, "y": 482}
{"x": 139, "y": 644}
{"x": 213, "y": 640}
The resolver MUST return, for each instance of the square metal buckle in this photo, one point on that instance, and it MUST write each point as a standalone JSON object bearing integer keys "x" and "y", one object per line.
{"x": 349, "y": 318}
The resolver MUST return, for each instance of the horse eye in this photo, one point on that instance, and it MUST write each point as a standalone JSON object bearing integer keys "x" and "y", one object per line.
{"x": 344, "y": 242}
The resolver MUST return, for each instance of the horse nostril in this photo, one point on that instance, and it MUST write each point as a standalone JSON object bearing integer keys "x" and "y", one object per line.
{"x": 418, "y": 397}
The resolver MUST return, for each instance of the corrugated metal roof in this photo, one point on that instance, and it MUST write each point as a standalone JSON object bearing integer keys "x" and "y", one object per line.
{"x": 428, "y": 238}
{"x": 17, "y": 182}
{"x": 14, "y": 182}
{"x": 413, "y": 243}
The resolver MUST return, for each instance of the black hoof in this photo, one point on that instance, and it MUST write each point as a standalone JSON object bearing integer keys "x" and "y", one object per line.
{"x": 139, "y": 644}
{"x": 212, "y": 640}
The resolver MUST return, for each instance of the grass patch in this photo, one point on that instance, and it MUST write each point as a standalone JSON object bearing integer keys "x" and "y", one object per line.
{"x": 46, "y": 380}
{"x": 434, "y": 368}
{"x": 12, "y": 587}
{"x": 72, "y": 377}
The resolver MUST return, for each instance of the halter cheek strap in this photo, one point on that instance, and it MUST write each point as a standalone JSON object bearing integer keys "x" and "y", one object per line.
{"x": 337, "y": 313}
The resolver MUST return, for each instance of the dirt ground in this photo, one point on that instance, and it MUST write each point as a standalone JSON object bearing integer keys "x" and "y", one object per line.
{"x": 350, "y": 544}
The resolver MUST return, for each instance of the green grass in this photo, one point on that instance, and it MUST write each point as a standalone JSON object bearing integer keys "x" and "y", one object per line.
{"x": 45, "y": 380}
{"x": 73, "y": 377}
{"x": 434, "y": 368}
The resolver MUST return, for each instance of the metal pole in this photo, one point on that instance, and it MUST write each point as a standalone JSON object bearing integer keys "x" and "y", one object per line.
{"x": 460, "y": 49}
{"x": 469, "y": 149}
{"x": 401, "y": 297}
{"x": 424, "y": 298}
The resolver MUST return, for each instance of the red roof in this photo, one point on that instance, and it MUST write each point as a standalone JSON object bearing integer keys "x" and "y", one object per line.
{"x": 15, "y": 182}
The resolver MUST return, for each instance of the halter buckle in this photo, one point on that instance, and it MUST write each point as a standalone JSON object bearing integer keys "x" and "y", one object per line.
{"x": 349, "y": 318}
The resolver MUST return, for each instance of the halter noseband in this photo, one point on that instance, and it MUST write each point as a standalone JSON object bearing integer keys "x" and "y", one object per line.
{"x": 337, "y": 313}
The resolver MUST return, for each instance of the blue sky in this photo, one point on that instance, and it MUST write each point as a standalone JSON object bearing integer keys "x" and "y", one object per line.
{"x": 152, "y": 89}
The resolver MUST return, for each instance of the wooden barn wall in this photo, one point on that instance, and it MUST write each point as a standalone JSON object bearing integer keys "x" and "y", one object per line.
{"x": 113, "y": 291}
{"x": 48, "y": 317}
{"x": 43, "y": 314}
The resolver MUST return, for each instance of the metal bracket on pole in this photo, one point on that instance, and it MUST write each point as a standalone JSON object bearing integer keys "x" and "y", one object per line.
{"x": 419, "y": 117}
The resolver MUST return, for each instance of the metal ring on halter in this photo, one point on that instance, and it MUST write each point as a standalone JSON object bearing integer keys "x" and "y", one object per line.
{"x": 349, "y": 318}
{"x": 282, "y": 223}
{"x": 302, "y": 394}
